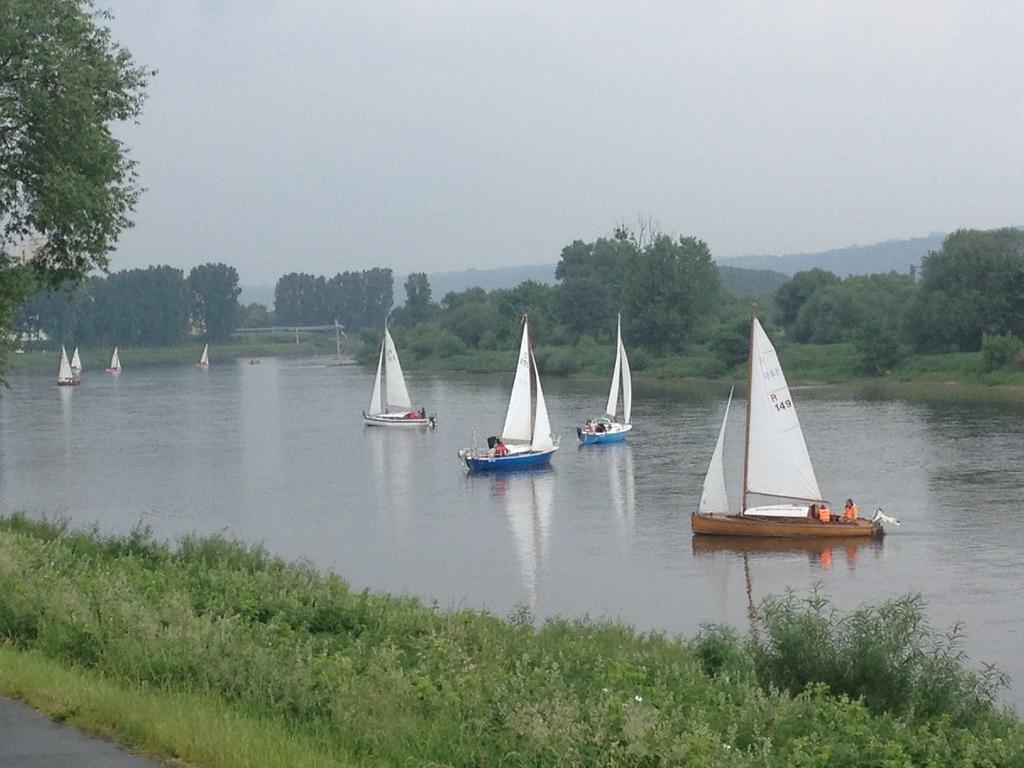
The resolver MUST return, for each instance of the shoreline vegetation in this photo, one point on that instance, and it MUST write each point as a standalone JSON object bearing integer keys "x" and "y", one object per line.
{"x": 829, "y": 368}
{"x": 217, "y": 654}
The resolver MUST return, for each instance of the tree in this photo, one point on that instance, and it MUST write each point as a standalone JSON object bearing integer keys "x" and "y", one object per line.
{"x": 418, "y": 306}
{"x": 792, "y": 295}
{"x": 65, "y": 180}
{"x": 214, "y": 293}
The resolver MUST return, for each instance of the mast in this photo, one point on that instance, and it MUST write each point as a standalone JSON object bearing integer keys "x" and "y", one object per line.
{"x": 750, "y": 390}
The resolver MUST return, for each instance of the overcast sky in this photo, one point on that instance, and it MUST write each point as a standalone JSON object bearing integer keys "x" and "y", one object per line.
{"x": 324, "y": 135}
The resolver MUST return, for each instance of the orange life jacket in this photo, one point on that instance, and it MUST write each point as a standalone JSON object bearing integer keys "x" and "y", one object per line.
{"x": 824, "y": 514}
{"x": 850, "y": 512}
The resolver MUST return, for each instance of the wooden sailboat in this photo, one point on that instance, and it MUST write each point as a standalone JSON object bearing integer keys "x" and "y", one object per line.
{"x": 65, "y": 376}
{"x": 115, "y": 363}
{"x": 204, "y": 358}
{"x": 776, "y": 465}
{"x": 76, "y": 362}
{"x": 605, "y": 429}
{"x": 390, "y": 405}
{"x": 525, "y": 440}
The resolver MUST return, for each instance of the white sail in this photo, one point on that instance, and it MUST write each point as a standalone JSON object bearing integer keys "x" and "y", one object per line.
{"x": 613, "y": 393}
{"x": 375, "y": 398}
{"x": 518, "y": 424}
{"x": 542, "y": 424}
{"x": 777, "y": 462}
{"x": 76, "y": 361}
{"x": 64, "y": 373}
{"x": 115, "y": 361}
{"x": 204, "y": 359}
{"x": 714, "y": 497}
{"x": 398, "y": 395}
{"x": 627, "y": 383}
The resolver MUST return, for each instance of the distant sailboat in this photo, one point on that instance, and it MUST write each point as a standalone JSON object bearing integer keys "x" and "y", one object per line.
{"x": 525, "y": 440}
{"x": 390, "y": 405}
{"x": 65, "y": 376}
{"x": 605, "y": 429}
{"x": 204, "y": 359}
{"x": 76, "y": 362}
{"x": 776, "y": 465}
{"x": 115, "y": 363}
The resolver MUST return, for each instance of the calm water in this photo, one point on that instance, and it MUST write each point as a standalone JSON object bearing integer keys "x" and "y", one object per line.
{"x": 277, "y": 453}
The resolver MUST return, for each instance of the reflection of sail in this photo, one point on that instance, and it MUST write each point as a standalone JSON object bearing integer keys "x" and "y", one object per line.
{"x": 390, "y": 459}
{"x": 528, "y": 501}
{"x": 622, "y": 487}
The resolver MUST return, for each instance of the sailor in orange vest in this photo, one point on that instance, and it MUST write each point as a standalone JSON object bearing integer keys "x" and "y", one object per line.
{"x": 850, "y": 511}
{"x": 824, "y": 513}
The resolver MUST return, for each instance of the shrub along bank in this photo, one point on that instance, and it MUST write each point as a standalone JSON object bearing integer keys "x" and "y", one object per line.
{"x": 376, "y": 679}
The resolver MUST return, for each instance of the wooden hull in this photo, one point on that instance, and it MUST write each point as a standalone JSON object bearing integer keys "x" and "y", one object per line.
{"x": 782, "y": 527}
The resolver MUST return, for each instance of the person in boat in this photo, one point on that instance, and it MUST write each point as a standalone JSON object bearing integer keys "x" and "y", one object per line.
{"x": 850, "y": 511}
{"x": 499, "y": 448}
{"x": 423, "y": 413}
{"x": 824, "y": 513}
{"x": 589, "y": 427}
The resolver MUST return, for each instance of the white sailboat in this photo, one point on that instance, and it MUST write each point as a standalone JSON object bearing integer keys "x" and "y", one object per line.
{"x": 204, "y": 358}
{"x": 390, "y": 405}
{"x": 76, "y": 362}
{"x": 65, "y": 376}
{"x": 776, "y": 465}
{"x": 606, "y": 429}
{"x": 525, "y": 440}
{"x": 115, "y": 363}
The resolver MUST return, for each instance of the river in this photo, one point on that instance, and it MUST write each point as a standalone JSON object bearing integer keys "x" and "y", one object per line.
{"x": 276, "y": 453}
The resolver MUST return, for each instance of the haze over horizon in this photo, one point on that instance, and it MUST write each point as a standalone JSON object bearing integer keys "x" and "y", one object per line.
{"x": 326, "y": 137}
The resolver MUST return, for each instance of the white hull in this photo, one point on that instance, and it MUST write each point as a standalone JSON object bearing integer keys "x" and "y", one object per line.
{"x": 394, "y": 420}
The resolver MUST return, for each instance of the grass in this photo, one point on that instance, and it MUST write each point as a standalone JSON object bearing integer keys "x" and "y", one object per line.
{"x": 151, "y": 638}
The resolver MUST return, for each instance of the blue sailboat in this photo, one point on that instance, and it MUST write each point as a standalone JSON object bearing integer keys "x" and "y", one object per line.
{"x": 605, "y": 429}
{"x": 525, "y": 440}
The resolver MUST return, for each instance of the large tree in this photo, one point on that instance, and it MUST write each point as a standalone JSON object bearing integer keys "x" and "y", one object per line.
{"x": 67, "y": 184}
{"x": 215, "y": 291}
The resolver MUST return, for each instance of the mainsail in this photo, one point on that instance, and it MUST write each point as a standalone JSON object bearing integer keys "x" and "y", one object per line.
{"x": 64, "y": 372}
{"x": 518, "y": 422}
{"x": 621, "y": 371}
{"x": 397, "y": 394}
{"x": 76, "y": 361}
{"x": 115, "y": 361}
{"x": 777, "y": 461}
{"x": 204, "y": 359}
{"x": 714, "y": 497}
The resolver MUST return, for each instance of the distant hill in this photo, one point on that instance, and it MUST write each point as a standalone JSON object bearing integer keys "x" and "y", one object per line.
{"x": 751, "y": 282}
{"x": 442, "y": 283}
{"x": 889, "y": 256}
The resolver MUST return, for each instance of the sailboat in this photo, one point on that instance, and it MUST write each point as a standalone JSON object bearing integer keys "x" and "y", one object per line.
{"x": 338, "y": 333}
{"x": 605, "y": 429}
{"x": 115, "y": 363}
{"x": 390, "y": 405}
{"x": 204, "y": 359}
{"x": 76, "y": 362}
{"x": 525, "y": 440}
{"x": 776, "y": 465}
{"x": 65, "y": 376}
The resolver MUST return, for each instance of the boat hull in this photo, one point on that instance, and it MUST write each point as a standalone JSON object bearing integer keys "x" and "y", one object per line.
{"x": 395, "y": 420}
{"x": 616, "y": 435}
{"x": 481, "y": 462}
{"x": 74, "y": 383}
{"x": 782, "y": 527}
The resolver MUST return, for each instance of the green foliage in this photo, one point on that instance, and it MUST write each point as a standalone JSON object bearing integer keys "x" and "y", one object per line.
{"x": 972, "y": 286}
{"x": 355, "y": 299}
{"x": 791, "y": 296}
{"x": 255, "y": 315}
{"x": 215, "y": 310}
{"x": 1000, "y": 351}
{"x": 878, "y": 349}
{"x": 304, "y": 652}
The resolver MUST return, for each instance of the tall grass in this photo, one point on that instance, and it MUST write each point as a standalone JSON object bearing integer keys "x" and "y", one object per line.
{"x": 388, "y": 679}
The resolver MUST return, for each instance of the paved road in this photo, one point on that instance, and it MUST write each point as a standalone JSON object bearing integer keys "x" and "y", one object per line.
{"x": 31, "y": 740}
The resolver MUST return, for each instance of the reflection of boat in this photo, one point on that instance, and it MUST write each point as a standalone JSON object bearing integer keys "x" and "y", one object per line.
{"x": 776, "y": 465}
{"x": 76, "y": 362}
{"x": 528, "y": 500}
{"x": 390, "y": 405}
{"x": 65, "y": 376}
{"x": 525, "y": 441}
{"x": 204, "y": 359}
{"x": 115, "y": 362}
{"x": 746, "y": 544}
{"x": 605, "y": 429}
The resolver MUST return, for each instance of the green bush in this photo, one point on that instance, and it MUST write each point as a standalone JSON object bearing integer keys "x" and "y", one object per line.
{"x": 1000, "y": 351}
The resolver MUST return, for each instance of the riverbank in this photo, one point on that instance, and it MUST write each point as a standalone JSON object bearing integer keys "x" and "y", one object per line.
{"x": 193, "y": 652}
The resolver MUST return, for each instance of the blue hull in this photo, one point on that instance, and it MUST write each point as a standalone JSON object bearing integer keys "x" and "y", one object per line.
{"x": 602, "y": 437}
{"x": 505, "y": 463}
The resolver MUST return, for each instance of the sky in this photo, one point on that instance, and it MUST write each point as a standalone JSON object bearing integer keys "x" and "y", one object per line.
{"x": 324, "y": 135}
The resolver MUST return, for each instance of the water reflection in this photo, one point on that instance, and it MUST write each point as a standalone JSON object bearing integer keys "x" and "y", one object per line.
{"x": 821, "y": 553}
{"x": 528, "y": 500}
